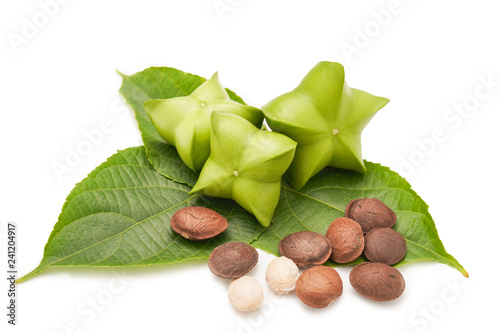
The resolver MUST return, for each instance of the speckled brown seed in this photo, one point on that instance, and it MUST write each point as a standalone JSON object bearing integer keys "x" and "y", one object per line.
{"x": 306, "y": 248}
{"x": 346, "y": 237}
{"x": 384, "y": 245}
{"x": 232, "y": 260}
{"x": 319, "y": 286}
{"x": 198, "y": 223}
{"x": 370, "y": 213}
{"x": 377, "y": 281}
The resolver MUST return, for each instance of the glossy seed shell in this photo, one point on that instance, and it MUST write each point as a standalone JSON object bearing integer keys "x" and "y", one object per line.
{"x": 319, "y": 286}
{"x": 370, "y": 213}
{"x": 198, "y": 223}
{"x": 377, "y": 281}
{"x": 346, "y": 237}
{"x": 306, "y": 248}
{"x": 384, "y": 245}
{"x": 232, "y": 260}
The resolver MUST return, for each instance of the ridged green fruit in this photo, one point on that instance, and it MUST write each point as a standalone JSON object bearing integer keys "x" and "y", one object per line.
{"x": 245, "y": 164}
{"x": 184, "y": 122}
{"x": 325, "y": 117}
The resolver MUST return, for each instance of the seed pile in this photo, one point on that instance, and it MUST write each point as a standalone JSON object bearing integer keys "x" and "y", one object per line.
{"x": 365, "y": 230}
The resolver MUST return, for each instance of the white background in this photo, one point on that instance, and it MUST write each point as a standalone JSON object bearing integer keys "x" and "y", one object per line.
{"x": 430, "y": 58}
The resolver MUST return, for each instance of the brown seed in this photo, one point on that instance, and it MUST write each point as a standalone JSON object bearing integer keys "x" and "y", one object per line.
{"x": 377, "y": 281}
{"x": 306, "y": 248}
{"x": 198, "y": 223}
{"x": 346, "y": 238}
{"x": 384, "y": 245}
{"x": 370, "y": 213}
{"x": 319, "y": 286}
{"x": 232, "y": 260}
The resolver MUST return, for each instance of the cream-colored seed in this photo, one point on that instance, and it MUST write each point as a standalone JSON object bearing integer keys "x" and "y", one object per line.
{"x": 245, "y": 293}
{"x": 282, "y": 274}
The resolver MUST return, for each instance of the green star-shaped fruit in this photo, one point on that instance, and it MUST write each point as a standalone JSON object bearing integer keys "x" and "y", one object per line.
{"x": 245, "y": 164}
{"x": 184, "y": 122}
{"x": 325, "y": 117}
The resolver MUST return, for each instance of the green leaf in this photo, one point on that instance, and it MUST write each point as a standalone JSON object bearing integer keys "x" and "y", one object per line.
{"x": 120, "y": 216}
{"x": 314, "y": 207}
{"x": 162, "y": 83}
{"x": 326, "y": 195}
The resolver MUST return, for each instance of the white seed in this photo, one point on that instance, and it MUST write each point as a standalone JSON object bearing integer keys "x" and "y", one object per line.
{"x": 245, "y": 293}
{"x": 282, "y": 274}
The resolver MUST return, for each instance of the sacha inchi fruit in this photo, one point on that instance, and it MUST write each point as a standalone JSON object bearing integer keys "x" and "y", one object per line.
{"x": 325, "y": 117}
{"x": 245, "y": 164}
{"x": 184, "y": 122}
